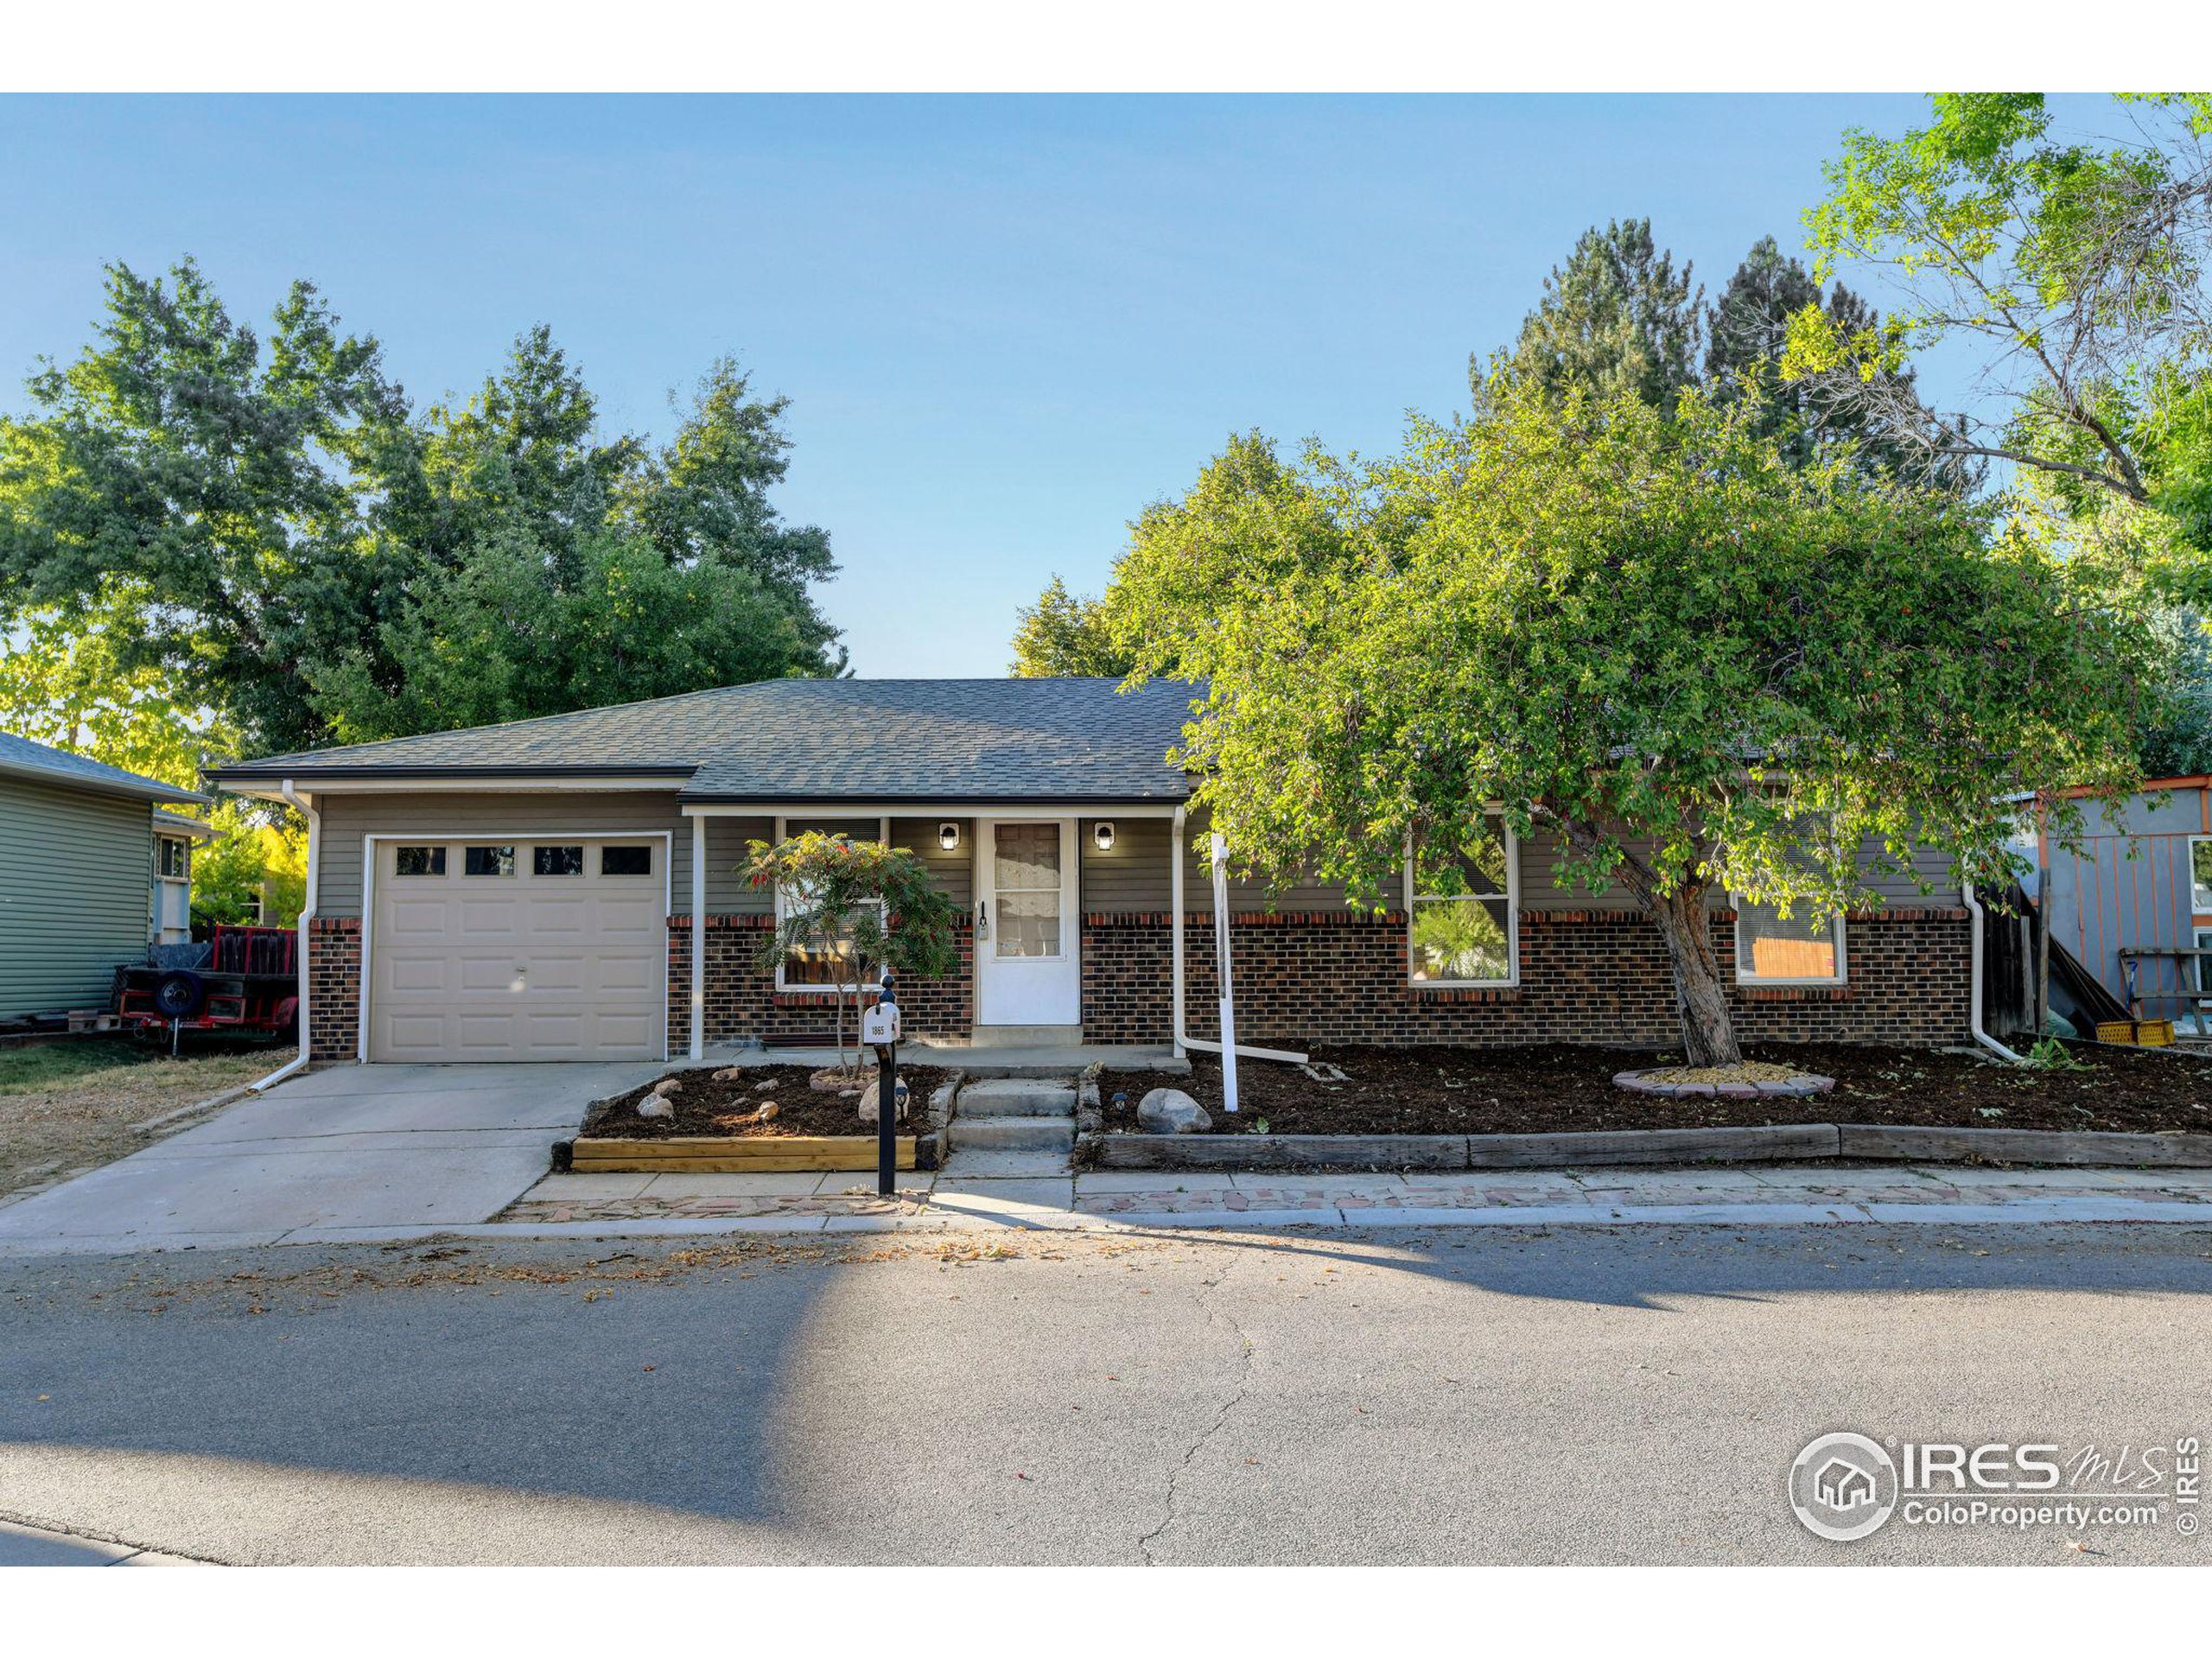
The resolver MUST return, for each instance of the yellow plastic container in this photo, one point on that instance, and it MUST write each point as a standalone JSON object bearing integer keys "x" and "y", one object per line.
{"x": 2116, "y": 1031}
{"x": 2154, "y": 1034}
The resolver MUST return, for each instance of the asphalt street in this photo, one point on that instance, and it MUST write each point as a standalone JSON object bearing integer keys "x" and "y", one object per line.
{"x": 1574, "y": 1395}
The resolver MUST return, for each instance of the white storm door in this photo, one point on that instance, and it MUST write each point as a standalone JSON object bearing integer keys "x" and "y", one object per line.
{"x": 1028, "y": 971}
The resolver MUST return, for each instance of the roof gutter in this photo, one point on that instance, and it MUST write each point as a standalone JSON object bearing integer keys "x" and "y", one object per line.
{"x": 304, "y": 805}
{"x": 165, "y": 794}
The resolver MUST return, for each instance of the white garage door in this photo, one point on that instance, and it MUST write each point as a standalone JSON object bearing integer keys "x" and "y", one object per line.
{"x": 518, "y": 949}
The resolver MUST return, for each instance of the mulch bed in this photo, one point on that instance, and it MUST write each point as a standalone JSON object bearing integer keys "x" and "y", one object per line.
{"x": 801, "y": 1109}
{"x": 1554, "y": 1088}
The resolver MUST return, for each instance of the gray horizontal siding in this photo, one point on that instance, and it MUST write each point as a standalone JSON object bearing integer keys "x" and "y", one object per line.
{"x": 348, "y": 818}
{"x": 75, "y": 886}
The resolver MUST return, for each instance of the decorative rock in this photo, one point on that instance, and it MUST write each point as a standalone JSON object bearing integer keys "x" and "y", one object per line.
{"x": 763, "y": 1088}
{"x": 869, "y": 1102}
{"x": 656, "y": 1105}
{"x": 1170, "y": 1111}
{"x": 668, "y": 1086}
{"x": 767, "y": 1112}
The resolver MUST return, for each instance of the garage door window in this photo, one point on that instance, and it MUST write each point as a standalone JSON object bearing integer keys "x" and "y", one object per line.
{"x": 488, "y": 860}
{"x": 626, "y": 860}
{"x": 418, "y": 860}
{"x": 557, "y": 861}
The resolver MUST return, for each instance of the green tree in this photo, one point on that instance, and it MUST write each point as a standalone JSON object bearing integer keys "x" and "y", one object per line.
{"x": 2076, "y": 266}
{"x": 234, "y": 489}
{"x": 311, "y": 561}
{"x": 68, "y": 683}
{"x": 1696, "y": 666}
{"x": 857, "y": 908}
{"x": 255, "y": 869}
{"x": 1811, "y": 415}
{"x": 1616, "y": 317}
{"x": 1066, "y": 634}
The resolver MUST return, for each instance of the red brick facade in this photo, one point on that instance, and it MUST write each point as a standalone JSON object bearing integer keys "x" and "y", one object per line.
{"x": 1587, "y": 976}
{"x": 334, "y": 987}
{"x": 1592, "y": 976}
{"x": 742, "y": 1000}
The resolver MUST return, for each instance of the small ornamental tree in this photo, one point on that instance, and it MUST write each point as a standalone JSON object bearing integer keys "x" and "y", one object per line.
{"x": 1694, "y": 668}
{"x": 854, "y": 907}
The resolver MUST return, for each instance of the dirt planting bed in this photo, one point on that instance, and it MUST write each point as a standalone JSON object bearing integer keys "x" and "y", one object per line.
{"x": 706, "y": 1105}
{"x": 1555, "y": 1088}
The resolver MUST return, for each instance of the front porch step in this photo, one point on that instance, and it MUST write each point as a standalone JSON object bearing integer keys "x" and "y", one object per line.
{"x": 1026, "y": 1036}
{"x": 1012, "y": 1134}
{"x": 1016, "y": 1098}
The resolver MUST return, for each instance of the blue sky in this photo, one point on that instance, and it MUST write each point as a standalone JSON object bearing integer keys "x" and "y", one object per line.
{"x": 1005, "y": 324}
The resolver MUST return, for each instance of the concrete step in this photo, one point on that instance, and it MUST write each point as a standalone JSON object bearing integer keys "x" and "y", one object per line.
{"x": 1012, "y": 1134}
{"x": 1016, "y": 1098}
{"x": 1026, "y": 1036}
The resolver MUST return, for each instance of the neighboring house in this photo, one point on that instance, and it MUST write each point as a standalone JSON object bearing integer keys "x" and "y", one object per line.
{"x": 93, "y": 867}
{"x": 2138, "y": 896}
{"x": 536, "y": 891}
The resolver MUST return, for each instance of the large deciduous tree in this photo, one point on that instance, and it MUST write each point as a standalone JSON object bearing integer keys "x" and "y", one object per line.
{"x": 2075, "y": 266}
{"x": 1697, "y": 668}
{"x": 310, "y": 560}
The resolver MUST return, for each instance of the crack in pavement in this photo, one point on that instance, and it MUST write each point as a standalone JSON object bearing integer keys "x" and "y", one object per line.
{"x": 1236, "y": 1398}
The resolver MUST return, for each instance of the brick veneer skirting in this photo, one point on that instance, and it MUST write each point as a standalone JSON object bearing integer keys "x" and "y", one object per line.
{"x": 334, "y": 987}
{"x": 1587, "y": 976}
{"x": 742, "y": 1000}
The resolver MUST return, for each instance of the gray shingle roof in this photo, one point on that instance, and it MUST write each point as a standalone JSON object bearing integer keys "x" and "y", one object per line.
{"x": 1058, "y": 739}
{"x": 20, "y": 757}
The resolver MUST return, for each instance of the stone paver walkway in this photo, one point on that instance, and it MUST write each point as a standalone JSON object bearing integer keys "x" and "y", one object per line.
{"x": 1774, "y": 1194}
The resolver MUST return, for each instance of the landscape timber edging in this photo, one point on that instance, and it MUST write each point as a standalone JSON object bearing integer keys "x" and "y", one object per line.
{"x": 1765, "y": 1143}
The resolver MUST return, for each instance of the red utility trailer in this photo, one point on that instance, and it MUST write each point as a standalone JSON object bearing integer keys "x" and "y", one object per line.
{"x": 248, "y": 982}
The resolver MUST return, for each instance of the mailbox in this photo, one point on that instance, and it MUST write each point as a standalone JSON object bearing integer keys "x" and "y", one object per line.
{"x": 879, "y": 1025}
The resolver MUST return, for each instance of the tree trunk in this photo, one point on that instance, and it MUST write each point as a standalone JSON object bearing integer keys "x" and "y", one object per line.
{"x": 1708, "y": 1034}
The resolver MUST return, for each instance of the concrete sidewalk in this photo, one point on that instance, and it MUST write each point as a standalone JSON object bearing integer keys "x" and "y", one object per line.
{"x": 379, "y": 1147}
{"x": 1761, "y": 1195}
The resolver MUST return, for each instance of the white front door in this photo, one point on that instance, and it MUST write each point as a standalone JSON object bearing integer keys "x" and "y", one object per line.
{"x": 1028, "y": 971}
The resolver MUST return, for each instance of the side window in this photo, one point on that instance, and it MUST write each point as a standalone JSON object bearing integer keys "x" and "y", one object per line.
{"x": 1792, "y": 949}
{"x": 1459, "y": 919}
{"x": 418, "y": 860}
{"x": 174, "y": 858}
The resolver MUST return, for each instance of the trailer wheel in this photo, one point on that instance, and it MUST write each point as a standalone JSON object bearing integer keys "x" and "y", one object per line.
{"x": 180, "y": 994}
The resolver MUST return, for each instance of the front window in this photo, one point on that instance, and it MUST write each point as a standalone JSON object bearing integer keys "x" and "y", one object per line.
{"x": 1460, "y": 914}
{"x": 418, "y": 860}
{"x": 174, "y": 857}
{"x": 1796, "y": 949}
{"x": 2200, "y": 873}
{"x": 824, "y": 961}
{"x": 626, "y": 860}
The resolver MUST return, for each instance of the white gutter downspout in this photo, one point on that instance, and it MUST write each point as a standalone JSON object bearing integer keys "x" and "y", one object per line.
{"x": 1973, "y": 1005}
{"x": 1184, "y": 1040}
{"x": 698, "y": 962}
{"x": 304, "y": 805}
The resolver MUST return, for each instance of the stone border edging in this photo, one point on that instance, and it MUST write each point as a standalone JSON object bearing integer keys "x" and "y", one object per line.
{"x": 1765, "y": 1143}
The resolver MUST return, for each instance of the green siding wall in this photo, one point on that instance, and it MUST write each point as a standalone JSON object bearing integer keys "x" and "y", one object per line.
{"x": 75, "y": 875}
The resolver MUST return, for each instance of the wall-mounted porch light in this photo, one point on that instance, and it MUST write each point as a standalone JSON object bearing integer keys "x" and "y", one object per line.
{"x": 1103, "y": 833}
{"x": 948, "y": 835}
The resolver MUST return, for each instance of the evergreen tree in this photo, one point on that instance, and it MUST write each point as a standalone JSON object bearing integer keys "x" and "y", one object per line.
{"x": 1616, "y": 317}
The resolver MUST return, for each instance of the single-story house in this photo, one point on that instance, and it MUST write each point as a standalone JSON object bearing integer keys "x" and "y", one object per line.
{"x": 568, "y": 887}
{"x": 95, "y": 865}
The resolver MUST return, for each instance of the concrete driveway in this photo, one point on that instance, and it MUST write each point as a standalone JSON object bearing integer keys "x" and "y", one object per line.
{"x": 352, "y": 1152}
